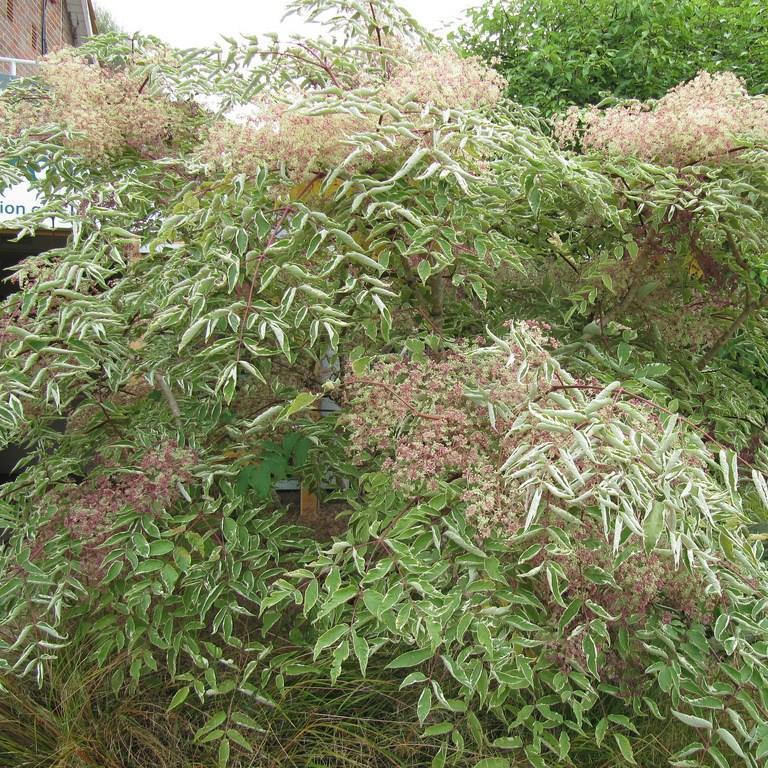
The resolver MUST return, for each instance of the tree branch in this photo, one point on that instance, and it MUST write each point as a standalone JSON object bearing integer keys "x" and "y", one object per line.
{"x": 729, "y": 332}
{"x": 169, "y": 398}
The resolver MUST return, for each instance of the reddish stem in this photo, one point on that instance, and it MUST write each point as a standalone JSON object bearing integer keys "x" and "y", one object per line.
{"x": 249, "y": 304}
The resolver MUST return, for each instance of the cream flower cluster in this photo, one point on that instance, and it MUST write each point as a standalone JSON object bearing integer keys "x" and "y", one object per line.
{"x": 444, "y": 80}
{"x": 282, "y": 137}
{"x": 705, "y": 119}
{"x": 303, "y": 141}
{"x": 106, "y": 110}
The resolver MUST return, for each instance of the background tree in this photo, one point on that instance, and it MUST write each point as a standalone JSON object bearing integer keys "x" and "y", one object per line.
{"x": 105, "y": 21}
{"x": 556, "y": 53}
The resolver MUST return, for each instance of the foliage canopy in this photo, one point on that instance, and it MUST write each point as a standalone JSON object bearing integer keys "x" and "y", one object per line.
{"x": 545, "y": 533}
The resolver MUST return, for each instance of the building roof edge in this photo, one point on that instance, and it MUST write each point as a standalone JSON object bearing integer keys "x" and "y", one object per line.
{"x": 82, "y": 16}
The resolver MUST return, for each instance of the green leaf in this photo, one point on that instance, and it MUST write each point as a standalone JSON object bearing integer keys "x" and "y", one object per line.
{"x": 169, "y": 575}
{"x": 301, "y": 451}
{"x": 328, "y": 638}
{"x": 223, "y": 755}
{"x": 438, "y": 761}
{"x": 372, "y": 601}
{"x": 439, "y": 729}
{"x": 239, "y": 739}
{"x": 179, "y": 698}
{"x": 361, "y": 650}
{"x": 484, "y": 636}
{"x": 149, "y": 566}
{"x": 623, "y": 352}
{"x": 721, "y": 625}
{"x": 476, "y": 729}
{"x": 299, "y": 403}
{"x": 311, "y": 594}
{"x": 314, "y": 244}
{"x": 192, "y": 332}
{"x": 493, "y": 762}
{"x": 534, "y": 200}
{"x": 229, "y": 527}
{"x": 624, "y": 721}
{"x": 508, "y": 742}
{"x": 625, "y": 747}
{"x": 113, "y": 571}
{"x": 719, "y": 757}
{"x": 260, "y": 480}
{"x": 653, "y": 526}
{"x": 214, "y": 735}
{"x": 338, "y": 598}
{"x": 692, "y": 720}
{"x": 412, "y": 679}
{"x": 140, "y": 544}
{"x": 411, "y": 658}
{"x": 600, "y": 730}
{"x": 182, "y": 558}
{"x": 569, "y": 614}
{"x": 463, "y": 626}
{"x": 424, "y": 704}
{"x": 241, "y": 240}
{"x": 590, "y": 652}
{"x": 157, "y": 548}
{"x": 360, "y": 365}
{"x": 729, "y": 739}
{"x": 214, "y": 721}
{"x": 246, "y": 721}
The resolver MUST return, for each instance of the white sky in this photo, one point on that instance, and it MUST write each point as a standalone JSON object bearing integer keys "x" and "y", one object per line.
{"x": 187, "y": 23}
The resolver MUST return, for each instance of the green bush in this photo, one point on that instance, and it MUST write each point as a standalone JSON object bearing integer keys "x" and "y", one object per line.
{"x": 544, "y": 552}
{"x": 554, "y": 53}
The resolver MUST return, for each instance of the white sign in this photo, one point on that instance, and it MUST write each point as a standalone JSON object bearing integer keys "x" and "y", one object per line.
{"x": 20, "y": 199}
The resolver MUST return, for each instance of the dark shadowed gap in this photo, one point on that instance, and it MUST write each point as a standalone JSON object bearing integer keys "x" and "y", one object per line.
{"x": 11, "y": 254}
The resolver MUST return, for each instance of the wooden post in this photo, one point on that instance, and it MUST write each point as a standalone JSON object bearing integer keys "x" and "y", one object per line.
{"x": 309, "y": 506}
{"x": 309, "y": 503}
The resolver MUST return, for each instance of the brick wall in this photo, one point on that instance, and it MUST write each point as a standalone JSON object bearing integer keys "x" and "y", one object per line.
{"x": 20, "y": 29}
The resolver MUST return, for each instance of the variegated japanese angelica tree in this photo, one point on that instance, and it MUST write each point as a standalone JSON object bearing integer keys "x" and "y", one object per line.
{"x": 540, "y": 558}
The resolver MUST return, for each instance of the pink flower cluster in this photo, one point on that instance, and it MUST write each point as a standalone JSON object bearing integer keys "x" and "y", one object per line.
{"x": 705, "y": 119}
{"x": 645, "y": 585}
{"x": 444, "y": 80}
{"x": 303, "y": 141}
{"x": 86, "y": 512}
{"x": 418, "y": 417}
{"x": 107, "y": 110}
{"x": 282, "y": 136}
